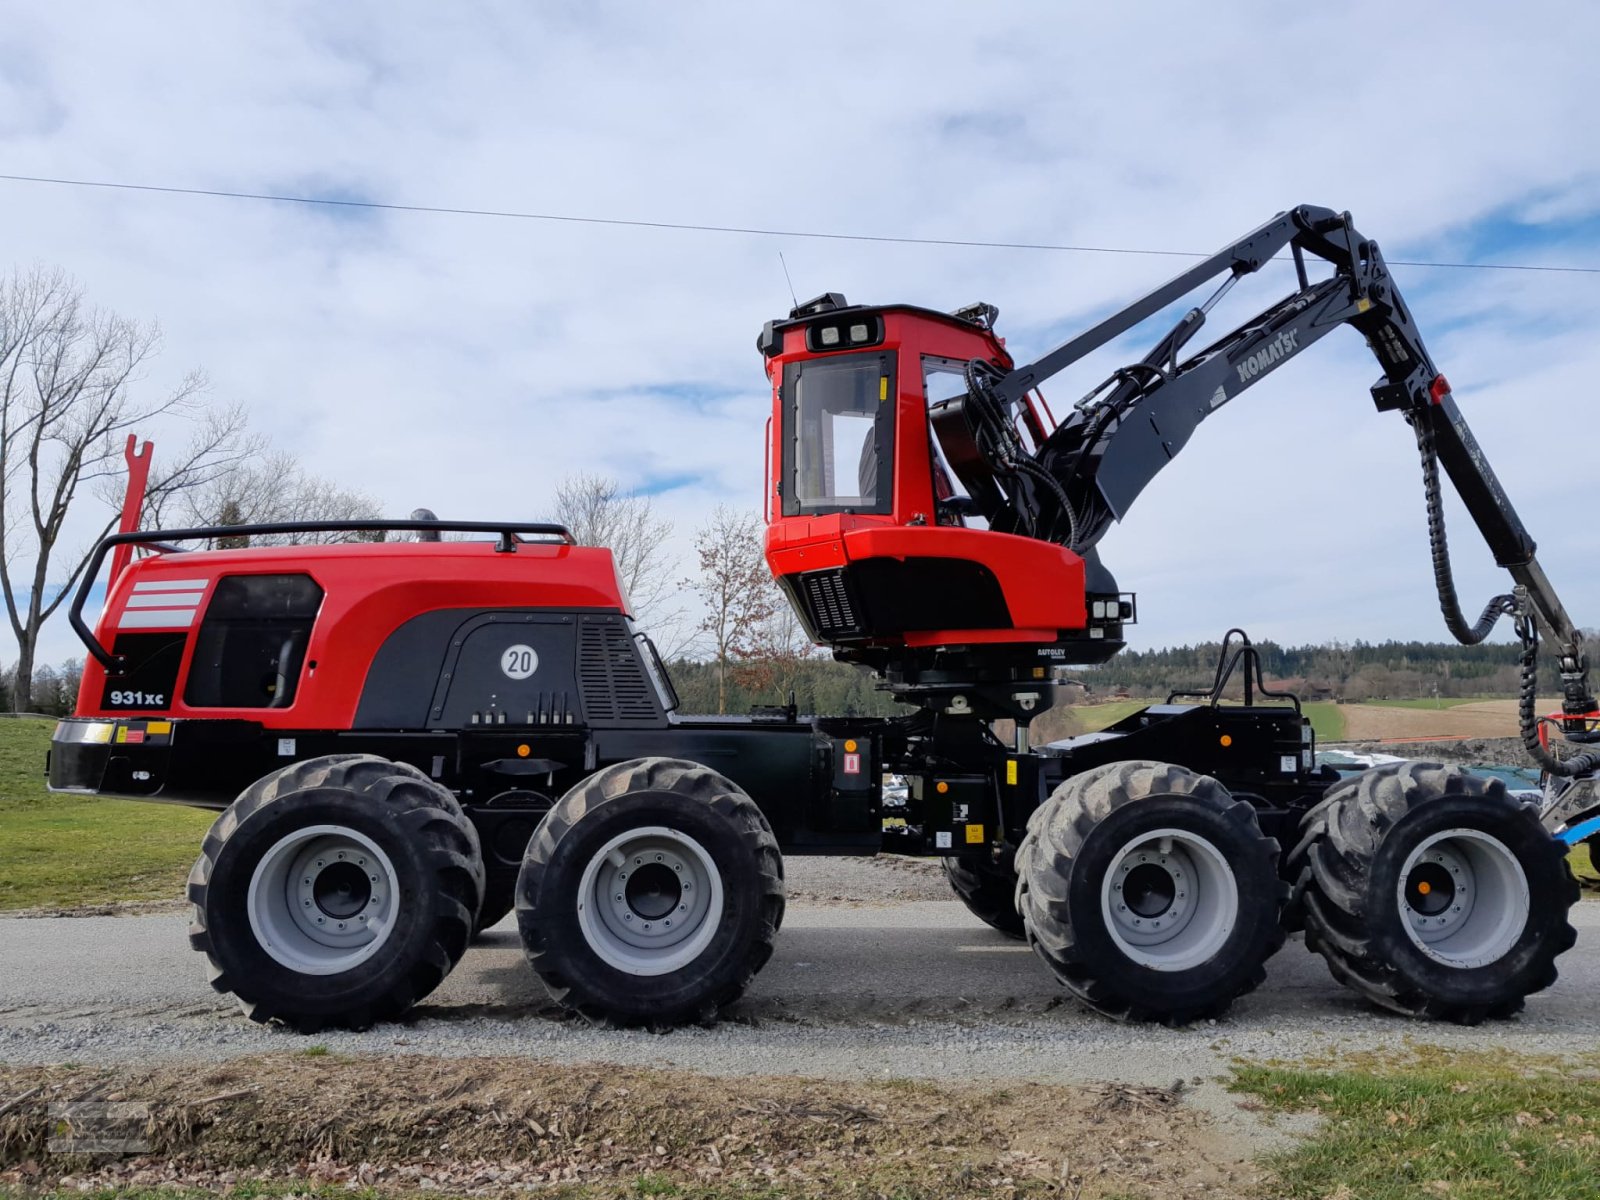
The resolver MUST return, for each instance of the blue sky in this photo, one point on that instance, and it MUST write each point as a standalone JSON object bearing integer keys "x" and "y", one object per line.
{"x": 467, "y": 364}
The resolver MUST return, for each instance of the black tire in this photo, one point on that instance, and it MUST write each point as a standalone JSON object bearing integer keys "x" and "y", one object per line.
{"x": 1348, "y": 869}
{"x": 437, "y": 878}
{"x": 1092, "y": 826}
{"x": 499, "y": 898}
{"x": 694, "y": 803}
{"x": 988, "y": 890}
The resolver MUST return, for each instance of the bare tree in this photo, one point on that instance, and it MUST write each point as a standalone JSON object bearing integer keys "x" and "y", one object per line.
{"x": 600, "y": 513}
{"x": 66, "y": 394}
{"x": 735, "y": 587}
{"x": 269, "y": 488}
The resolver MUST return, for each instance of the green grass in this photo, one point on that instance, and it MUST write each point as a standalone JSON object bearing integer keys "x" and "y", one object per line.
{"x": 1327, "y": 721}
{"x": 69, "y": 851}
{"x": 1438, "y": 1124}
{"x": 1096, "y": 717}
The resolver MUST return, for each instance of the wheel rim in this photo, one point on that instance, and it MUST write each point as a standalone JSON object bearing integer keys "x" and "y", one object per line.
{"x": 1463, "y": 898}
{"x": 650, "y": 901}
{"x": 1169, "y": 899}
{"x": 322, "y": 899}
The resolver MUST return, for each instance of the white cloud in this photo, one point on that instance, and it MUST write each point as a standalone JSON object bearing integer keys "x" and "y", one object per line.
{"x": 468, "y": 363}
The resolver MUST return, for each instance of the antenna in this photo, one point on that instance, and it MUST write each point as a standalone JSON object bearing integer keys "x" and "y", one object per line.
{"x": 789, "y": 281}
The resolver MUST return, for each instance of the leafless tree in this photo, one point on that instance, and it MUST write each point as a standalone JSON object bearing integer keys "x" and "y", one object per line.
{"x": 67, "y": 375}
{"x": 600, "y": 513}
{"x": 267, "y": 488}
{"x": 735, "y": 588}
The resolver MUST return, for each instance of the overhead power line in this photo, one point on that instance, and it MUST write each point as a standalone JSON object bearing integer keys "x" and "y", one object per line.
{"x": 693, "y": 227}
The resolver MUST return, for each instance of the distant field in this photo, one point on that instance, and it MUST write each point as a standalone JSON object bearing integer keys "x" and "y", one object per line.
{"x": 1437, "y": 702}
{"x": 1420, "y": 719}
{"x": 71, "y": 851}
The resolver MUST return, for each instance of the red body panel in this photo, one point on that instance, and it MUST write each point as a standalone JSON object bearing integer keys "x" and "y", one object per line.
{"x": 369, "y": 591}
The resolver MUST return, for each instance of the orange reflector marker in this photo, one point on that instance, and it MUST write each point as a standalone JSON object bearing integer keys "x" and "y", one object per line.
{"x": 850, "y": 746}
{"x": 941, "y": 787}
{"x": 524, "y": 750}
{"x": 1227, "y": 739}
{"x": 1424, "y": 887}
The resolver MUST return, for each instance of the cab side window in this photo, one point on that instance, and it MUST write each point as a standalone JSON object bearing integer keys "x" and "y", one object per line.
{"x": 252, "y": 642}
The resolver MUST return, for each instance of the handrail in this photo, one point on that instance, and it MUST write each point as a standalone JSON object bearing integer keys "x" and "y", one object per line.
{"x": 507, "y": 544}
{"x": 1226, "y": 665}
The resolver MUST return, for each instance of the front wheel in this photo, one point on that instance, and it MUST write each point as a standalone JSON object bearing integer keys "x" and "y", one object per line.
{"x": 650, "y": 894}
{"x": 336, "y": 891}
{"x": 1150, "y": 892}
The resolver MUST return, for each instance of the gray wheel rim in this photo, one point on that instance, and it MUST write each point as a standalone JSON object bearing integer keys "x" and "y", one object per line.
{"x": 322, "y": 900}
{"x": 1169, "y": 899}
{"x": 1463, "y": 898}
{"x": 650, "y": 901}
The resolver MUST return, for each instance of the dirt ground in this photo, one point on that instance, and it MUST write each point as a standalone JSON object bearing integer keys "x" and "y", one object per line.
{"x": 497, "y": 1126}
{"x": 1479, "y": 719}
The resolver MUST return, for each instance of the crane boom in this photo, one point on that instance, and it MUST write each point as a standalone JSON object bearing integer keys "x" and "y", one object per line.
{"x": 1091, "y": 468}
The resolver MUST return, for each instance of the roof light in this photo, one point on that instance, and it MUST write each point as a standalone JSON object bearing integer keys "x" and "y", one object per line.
{"x": 859, "y": 333}
{"x": 830, "y": 335}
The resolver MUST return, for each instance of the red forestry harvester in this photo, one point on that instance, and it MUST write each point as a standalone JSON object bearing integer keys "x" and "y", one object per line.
{"x": 406, "y": 741}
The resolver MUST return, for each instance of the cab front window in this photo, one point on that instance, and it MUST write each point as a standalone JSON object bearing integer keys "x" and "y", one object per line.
{"x": 838, "y": 436}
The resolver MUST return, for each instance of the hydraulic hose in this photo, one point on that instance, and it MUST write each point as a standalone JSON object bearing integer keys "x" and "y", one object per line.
{"x": 1470, "y": 635}
{"x": 1438, "y": 543}
{"x": 1010, "y": 456}
{"x": 1527, "y": 715}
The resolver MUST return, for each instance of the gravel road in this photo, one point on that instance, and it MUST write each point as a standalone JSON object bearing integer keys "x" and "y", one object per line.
{"x": 909, "y": 988}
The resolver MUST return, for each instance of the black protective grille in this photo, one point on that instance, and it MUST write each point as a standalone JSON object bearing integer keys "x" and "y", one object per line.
{"x": 611, "y": 678}
{"x": 827, "y": 597}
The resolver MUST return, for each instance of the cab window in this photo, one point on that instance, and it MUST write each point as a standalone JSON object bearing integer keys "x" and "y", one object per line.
{"x": 838, "y": 445}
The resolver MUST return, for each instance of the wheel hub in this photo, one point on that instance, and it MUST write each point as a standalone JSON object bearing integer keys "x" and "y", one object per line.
{"x": 1150, "y": 889}
{"x": 322, "y": 899}
{"x": 650, "y": 901}
{"x": 653, "y": 890}
{"x": 1463, "y": 898}
{"x": 1169, "y": 899}
{"x": 342, "y": 890}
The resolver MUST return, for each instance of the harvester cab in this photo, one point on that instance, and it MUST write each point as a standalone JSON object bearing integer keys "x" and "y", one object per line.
{"x": 894, "y": 539}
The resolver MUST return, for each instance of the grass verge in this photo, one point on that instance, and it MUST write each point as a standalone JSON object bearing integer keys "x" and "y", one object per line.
{"x": 495, "y": 1126}
{"x": 75, "y": 851}
{"x": 1431, "y": 1123}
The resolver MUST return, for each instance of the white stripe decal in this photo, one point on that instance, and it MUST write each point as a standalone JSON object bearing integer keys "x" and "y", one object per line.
{"x": 171, "y": 585}
{"x": 164, "y": 599}
{"x": 157, "y": 618}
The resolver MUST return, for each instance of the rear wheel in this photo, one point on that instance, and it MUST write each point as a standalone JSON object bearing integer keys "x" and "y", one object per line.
{"x": 651, "y": 894}
{"x": 988, "y": 889}
{"x": 337, "y": 891}
{"x": 1433, "y": 893}
{"x": 1150, "y": 892}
